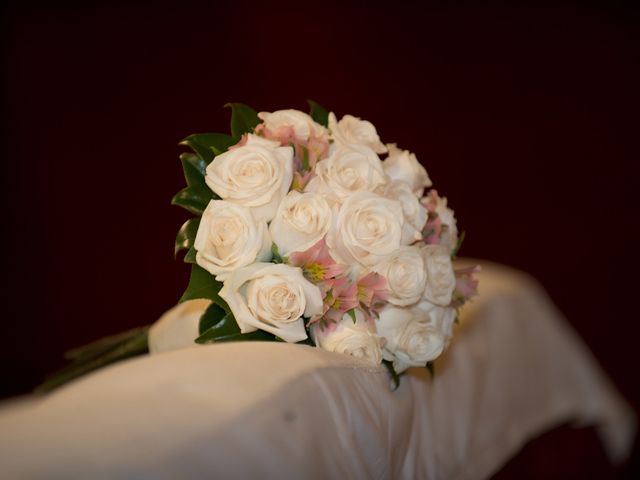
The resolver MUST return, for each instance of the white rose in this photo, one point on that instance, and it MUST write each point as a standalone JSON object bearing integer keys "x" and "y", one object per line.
{"x": 404, "y": 166}
{"x": 409, "y": 341}
{"x": 302, "y": 220}
{"x": 273, "y": 298}
{"x": 368, "y": 227}
{"x": 301, "y": 123}
{"x": 356, "y": 339}
{"x": 256, "y": 175}
{"x": 352, "y": 130}
{"x": 439, "y": 318}
{"x": 349, "y": 169}
{"x": 415, "y": 214}
{"x": 441, "y": 280}
{"x": 229, "y": 238}
{"x": 406, "y": 275}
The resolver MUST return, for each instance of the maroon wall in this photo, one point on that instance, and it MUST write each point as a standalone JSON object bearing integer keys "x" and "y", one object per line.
{"x": 527, "y": 118}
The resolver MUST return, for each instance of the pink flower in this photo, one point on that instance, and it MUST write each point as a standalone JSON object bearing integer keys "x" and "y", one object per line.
{"x": 307, "y": 152}
{"x": 342, "y": 297}
{"x": 372, "y": 289}
{"x": 466, "y": 285}
{"x": 432, "y": 231}
{"x": 430, "y": 201}
{"x": 317, "y": 148}
{"x": 372, "y": 294}
{"x": 300, "y": 180}
{"x": 338, "y": 292}
{"x": 440, "y": 228}
{"x": 284, "y": 135}
{"x": 316, "y": 263}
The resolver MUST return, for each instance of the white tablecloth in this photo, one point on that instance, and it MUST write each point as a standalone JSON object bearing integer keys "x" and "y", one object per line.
{"x": 273, "y": 410}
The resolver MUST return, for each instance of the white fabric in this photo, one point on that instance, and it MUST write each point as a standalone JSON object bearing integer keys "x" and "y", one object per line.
{"x": 177, "y": 327}
{"x": 274, "y": 410}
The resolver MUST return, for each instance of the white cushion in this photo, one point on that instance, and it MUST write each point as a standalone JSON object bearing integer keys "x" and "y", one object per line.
{"x": 275, "y": 410}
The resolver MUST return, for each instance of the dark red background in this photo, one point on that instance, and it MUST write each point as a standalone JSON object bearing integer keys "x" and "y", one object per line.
{"x": 526, "y": 118}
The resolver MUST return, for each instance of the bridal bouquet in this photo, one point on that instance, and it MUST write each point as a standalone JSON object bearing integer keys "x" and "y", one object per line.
{"x": 309, "y": 229}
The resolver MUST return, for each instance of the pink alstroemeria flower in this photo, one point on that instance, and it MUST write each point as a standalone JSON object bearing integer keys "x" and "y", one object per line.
{"x": 317, "y": 264}
{"x": 430, "y": 201}
{"x": 372, "y": 289}
{"x": 342, "y": 297}
{"x": 307, "y": 152}
{"x": 300, "y": 180}
{"x": 466, "y": 285}
{"x": 317, "y": 148}
{"x": 372, "y": 294}
{"x": 321, "y": 269}
{"x": 284, "y": 135}
{"x": 432, "y": 231}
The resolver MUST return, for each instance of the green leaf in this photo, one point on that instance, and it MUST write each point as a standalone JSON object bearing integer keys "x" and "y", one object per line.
{"x": 243, "y": 119}
{"x": 136, "y": 344}
{"x": 305, "y": 158}
{"x": 307, "y": 341}
{"x": 219, "y": 142}
{"x": 203, "y": 285}
{"x": 194, "y": 169}
{"x": 432, "y": 369}
{"x": 190, "y": 256}
{"x": 395, "y": 378}
{"x": 319, "y": 114}
{"x": 352, "y": 314}
{"x": 275, "y": 254}
{"x": 186, "y": 235}
{"x": 204, "y": 152}
{"x": 456, "y": 249}
{"x": 193, "y": 199}
{"x": 212, "y": 315}
{"x": 224, "y": 327}
{"x": 98, "y": 347}
{"x": 257, "y": 336}
{"x": 208, "y": 145}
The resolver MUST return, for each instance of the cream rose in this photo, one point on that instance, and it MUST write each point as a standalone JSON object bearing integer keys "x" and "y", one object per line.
{"x": 272, "y": 297}
{"x": 256, "y": 175}
{"x": 229, "y": 238}
{"x": 404, "y": 166}
{"x": 441, "y": 280}
{"x": 352, "y": 130}
{"x": 409, "y": 342}
{"x": 302, "y": 220}
{"x": 348, "y": 170}
{"x": 302, "y": 124}
{"x": 406, "y": 275}
{"x": 356, "y": 339}
{"x": 368, "y": 227}
{"x": 439, "y": 318}
{"x": 415, "y": 214}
